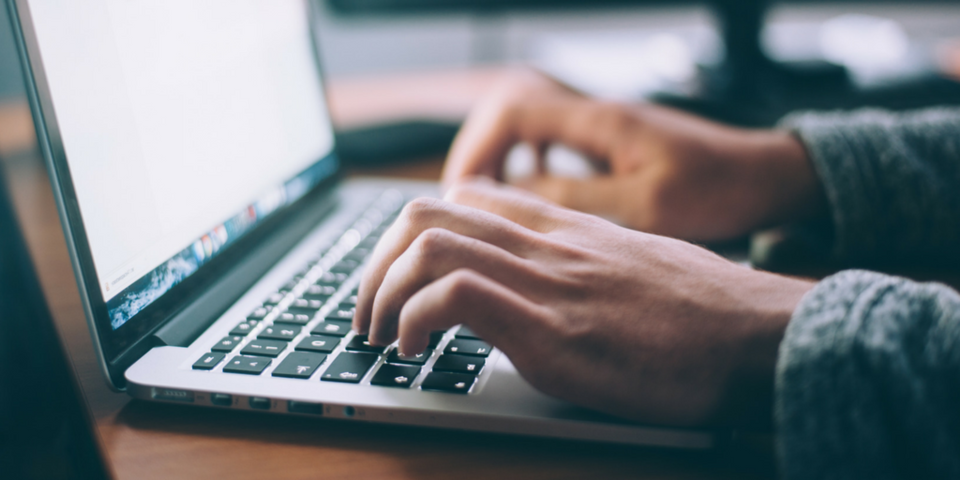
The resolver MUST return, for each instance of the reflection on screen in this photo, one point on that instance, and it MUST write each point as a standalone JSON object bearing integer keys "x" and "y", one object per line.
{"x": 184, "y": 123}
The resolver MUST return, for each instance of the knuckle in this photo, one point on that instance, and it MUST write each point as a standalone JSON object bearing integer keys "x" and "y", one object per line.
{"x": 461, "y": 286}
{"x": 460, "y": 192}
{"x": 432, "y": 243}
{"x": 419, "y": 210}
{"x": 613, "y": 117}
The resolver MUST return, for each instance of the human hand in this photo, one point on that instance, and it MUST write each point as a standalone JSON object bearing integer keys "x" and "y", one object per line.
{"x": 637, "y": 325}
{"x": 664, "y": 171}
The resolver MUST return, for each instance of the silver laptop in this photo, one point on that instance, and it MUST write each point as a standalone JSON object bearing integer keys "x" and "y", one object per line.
{"x": 217, "y": 250}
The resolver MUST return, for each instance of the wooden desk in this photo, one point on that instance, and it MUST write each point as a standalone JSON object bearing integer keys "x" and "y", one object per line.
{"x": 156, "y": 441}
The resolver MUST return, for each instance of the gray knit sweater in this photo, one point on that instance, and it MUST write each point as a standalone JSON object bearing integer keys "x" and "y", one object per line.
{"x": 868, "y": 375}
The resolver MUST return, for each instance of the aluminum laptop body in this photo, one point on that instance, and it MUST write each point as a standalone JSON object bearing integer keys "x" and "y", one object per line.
{"x": 115, "y": 80}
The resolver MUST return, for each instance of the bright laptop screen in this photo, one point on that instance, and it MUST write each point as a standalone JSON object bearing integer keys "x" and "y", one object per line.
{"x": 184, "y": 124}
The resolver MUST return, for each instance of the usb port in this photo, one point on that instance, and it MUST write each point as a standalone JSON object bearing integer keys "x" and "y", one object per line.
{"x": 294, "y": 406}
{"x": 221, "y": 399}
{"x": 173, "y": 395}
{"x": 260, "y": 403}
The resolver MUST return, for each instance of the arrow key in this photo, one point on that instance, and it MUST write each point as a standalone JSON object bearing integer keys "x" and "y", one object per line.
{"x": 399, "y": 376}
{"x": 448, "y": 382}
{"x": 299, "y": 365}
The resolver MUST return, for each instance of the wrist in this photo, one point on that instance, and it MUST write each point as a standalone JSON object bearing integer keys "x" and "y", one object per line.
{"x": 773, "y": 299}
{"x": 784, "y": 172}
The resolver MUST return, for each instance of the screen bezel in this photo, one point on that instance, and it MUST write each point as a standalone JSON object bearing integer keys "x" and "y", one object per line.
{"x": 112, "y": 344}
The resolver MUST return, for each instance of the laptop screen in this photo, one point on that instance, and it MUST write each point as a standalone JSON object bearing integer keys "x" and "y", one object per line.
{"x": 184, "y": 124}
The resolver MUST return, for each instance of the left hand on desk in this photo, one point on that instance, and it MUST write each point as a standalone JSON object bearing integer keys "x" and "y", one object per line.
{"x": 666, "y": 171}
{"x": 633, "y": 324}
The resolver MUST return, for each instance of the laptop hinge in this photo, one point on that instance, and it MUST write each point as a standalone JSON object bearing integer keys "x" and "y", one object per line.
{"x": 185, "y": 327}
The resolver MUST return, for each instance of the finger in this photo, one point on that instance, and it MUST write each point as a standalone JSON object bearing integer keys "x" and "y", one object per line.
{"x": 499, "y": 315}
{"x": 514, "y": 204}
{"x": 434, "y": 254}
{"x": 420, "y": 215}
{"x": 491, "y": 131}
{"x": 602, "y": 195}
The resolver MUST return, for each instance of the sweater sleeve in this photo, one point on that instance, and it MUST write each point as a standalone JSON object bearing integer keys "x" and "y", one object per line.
{"x": 868, "y": 381}
{"x": 892, "y": 181}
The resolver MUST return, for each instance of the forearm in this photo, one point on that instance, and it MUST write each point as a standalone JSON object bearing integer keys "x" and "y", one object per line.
{"x": 868, "y": 381}
{"x": 891, "y": 181}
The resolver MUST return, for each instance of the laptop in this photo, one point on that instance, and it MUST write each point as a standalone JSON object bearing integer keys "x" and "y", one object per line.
{"x": 216, "y": 245}
{"x": 45, "y": 428}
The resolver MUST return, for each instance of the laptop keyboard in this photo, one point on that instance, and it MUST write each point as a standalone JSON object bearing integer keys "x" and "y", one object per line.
{"x": 303, "y": 331}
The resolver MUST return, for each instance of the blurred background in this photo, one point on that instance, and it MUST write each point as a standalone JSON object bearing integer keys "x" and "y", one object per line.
{"x": 741, "y": 61}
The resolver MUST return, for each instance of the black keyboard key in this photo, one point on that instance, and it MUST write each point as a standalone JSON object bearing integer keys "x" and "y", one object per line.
{"x": 295, "y": 318}
{"x": 435, "y": 338}
{"x": 292, "y": 283}
{"x": 299, "y": 365}
{"x": 331, "y": 280}
{"x": 349, "y": 367}
{"x": 244, "y": 327}
{"x": 274, "y": 298}
{"x": 339, "y": 314}
{"x": 303, "y": 306}
{"x": 465, "y": 332}
{"x": 319, "y": 292}
{"x": 448, "y": 382}
{"x": 306, "y": 269}
{"x": 360, "y": 343}
{"x": 350, "y": 300}
{"x": 459, "y": 364}
{"x": 319, "y": 343}
{"x": 348, "y": 307}
{"x": 227, "y": 343}
{"x": 468, "y": 347}
{"x": 358, "y": 254}
{"x": 345, "y": 266}
{"x": 258, "y": 314}
{"x": 400, "y": 376}
{"x": 266, "y": 348}
{"x": 306, "y": 304}
{"x": 208, "y": 361}
{"x": 418, "y": 359}
{"x": 247, "y": 365}
{"x": 337, "y": 328}
{"x": 280, "y": 331}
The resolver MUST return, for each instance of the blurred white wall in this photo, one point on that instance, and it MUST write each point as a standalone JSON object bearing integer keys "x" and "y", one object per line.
{"x": 362, "y": 46}
{"x": 354, "y": 45}
{"x": 369, "y": 45}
